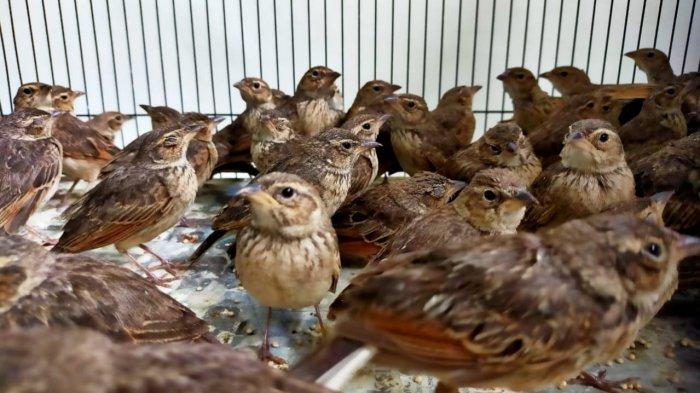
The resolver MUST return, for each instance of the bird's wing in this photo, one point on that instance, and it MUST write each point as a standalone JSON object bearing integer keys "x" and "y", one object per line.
{"x": 80, "y": 141}
{"x": 538, "y": 215}
{"x": 125, "y": 156}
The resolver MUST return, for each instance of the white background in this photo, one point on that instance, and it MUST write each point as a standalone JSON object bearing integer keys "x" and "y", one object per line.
{"x": 116, "y": 51}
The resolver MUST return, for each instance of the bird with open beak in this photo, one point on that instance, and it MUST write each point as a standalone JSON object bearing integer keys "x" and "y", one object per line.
{"x": 531, "y": 105}
{"x": 108, "y": 124}
{"x": 454, "y": 112}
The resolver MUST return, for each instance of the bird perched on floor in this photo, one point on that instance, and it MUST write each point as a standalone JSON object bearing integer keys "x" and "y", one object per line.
{"x": 502, "y": 146}
{"x": 33, "y": 95}
{"x": 326, "y": 161}
{"x": 570, "y": 81}
{"x": 30, "y": 166}
{"x": 454, "y": 112}
{"x": 89, "y": 362}
{"x": 287, "y": 256}
{"x": 591, "y": 177}
{"x": 233, "y": 141}
{"x": 43, "y": 289}
{"x": 370, "y": 98}
{"x": 108, "y": 124}
{"x": 366, "y": 127}
{"x": 269, "y": 141}
{"x": 201, "y": 152}
{"x": 419, "y": 141}
{"x": 161, "y": 116}
{"x": 520, "y": 312}
{"x": 531, "y": 105}
{"x": 367, "y": 223}
{"x": 137, "y": 202}
{"x": 493, "y": 203}
{"x": 317, "y": 105}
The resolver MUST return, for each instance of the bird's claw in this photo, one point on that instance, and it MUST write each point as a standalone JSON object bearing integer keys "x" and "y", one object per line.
{"x": 599, "y": 382}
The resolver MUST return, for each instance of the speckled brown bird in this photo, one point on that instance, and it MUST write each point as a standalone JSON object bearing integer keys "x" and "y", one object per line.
{"x": 325, "y": 161}
{"x": 269, "y": 140}
{"x": 569, "y": 81}
{"x": 30, "y": 166}
{"x": 454, "y": 112}
{"x": 33, "y": 95}
{"x": 366, "y": 127}
{"x": 161, "y": 116}
{"x": 287, "y": 256}
{"x": 493, "y": 203}
{"x": 83, "y": 361}
{"x": 233, "y": 141}
{"x": 108, "y": 124}
{"x": 367, "y": 224}
{"x": 370, "y": 98}
{"x": 419, "y": 141}
{"x": 531, "y": 105}
{"x": 521, "y": 312}
{"x": 45, "y": 289}
{"x": 201, "y": 152}
{"x": 137, "y": 202}
{"x": 502, "y": 146}
{"x": 591, "y": 177}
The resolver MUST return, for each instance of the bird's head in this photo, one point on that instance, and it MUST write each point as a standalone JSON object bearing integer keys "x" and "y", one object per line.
{"x": 504, "y": 145}
{"x": 33, "y": 95}
{"x": 254, "y": 91}
{"x": 568, "y": 80}
{"x": 63, "y": 98}
{"x": 374, "y": 91}
{"x": 461, "y": 96}
{"x": 518, "y": 81}
{"x": 366, "y": 126}
{"x": 276, "y": 127}
{"x": 343, "y": 147}
{"x": 406, "y": 109}
{"x": 649, "y": 60}
{"x": 318, "y": 82}
{"x": 168, "y": 145}
{"x": 207, "y": 124}
{"x": 592, "y": 146}
{"x": 161, "y": 116}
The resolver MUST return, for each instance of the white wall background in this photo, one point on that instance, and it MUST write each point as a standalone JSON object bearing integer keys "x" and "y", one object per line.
{"x": 188, "y": 53}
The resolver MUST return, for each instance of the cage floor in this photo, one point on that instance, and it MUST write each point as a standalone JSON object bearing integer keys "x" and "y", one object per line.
{"x": 670, "y": 363}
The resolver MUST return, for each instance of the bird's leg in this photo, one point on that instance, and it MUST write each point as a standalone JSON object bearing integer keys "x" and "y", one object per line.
{"x": 320, "y": 319}
{"x": 158, "y": 281}
{"x": 64, "y": 200}
{"x": 265, "y": 354}
{"x": 598, "y": 381}
{"x": 164, "y": 263}
{"x": 441, "y": 387}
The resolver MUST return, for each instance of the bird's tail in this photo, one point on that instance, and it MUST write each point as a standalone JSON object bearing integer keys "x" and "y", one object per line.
{"x": 206, "y": 245}
{"x": 335, "y": 363}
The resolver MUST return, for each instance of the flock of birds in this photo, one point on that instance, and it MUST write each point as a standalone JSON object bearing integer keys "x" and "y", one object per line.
{"x": 517, "y": 260}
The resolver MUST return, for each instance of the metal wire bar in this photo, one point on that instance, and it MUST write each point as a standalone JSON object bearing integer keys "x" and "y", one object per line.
{"x": 539, "y": 59}
{"x": 325, "y": 35}
{"x": 82, "y": 58}
{"x": 391, "y": 71}
{"x": 425, "y": 46}
{"x": 308, "y": 27}
{"x": 194, "y": 59}
{"x": 658, "y": 19}
{"x": 257, "y": 13}
{"x": 359, "y": 43}
{"x": 145, "y": 54}
{"x": 31, "y": 38}
{"x": 556, "y": 51}
{"x": 673, "y": 29}
{"x": 639, "y": 36}
{"x": 131, "y": 69}
{"x": 342, "y": 45}
{"x": 488, "y": 72}
{"x": 510, "y": 18}
{"x": 375, "y": 40}
{"x": 442, "y": 45}
{"x": 476, "y": 30}
{"x": 14, "y": 43}
{"x": 622, "y": 45}
{"x": 687, "y": 40}
{"x": 573, "y": 44}
{"x": 7, "y": 69}
{"x": 459, "y": 41}
{"x": 408, "y": 49}
{"x": 228, "y": 65}
{"x": 211, "y": 59}
{"x": 63, "y": 37}
{"x": 607, "y": 42}
{"x": 291, "y": 24}
{"x": 177, "y": 52}
{"x": 527, "y": 20}
{"x": 48, "y": 41}
{"x": 240, "y": 13}
{"x": 114, "y": 65}
{"x": 590, "y": 37}
{"x": 97, "y": 56}
{"x": 160, "y": 51}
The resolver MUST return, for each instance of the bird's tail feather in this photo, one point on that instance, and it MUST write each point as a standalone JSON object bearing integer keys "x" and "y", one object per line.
{"x": 335, "y": 363}
{"x": 206, "y": 244}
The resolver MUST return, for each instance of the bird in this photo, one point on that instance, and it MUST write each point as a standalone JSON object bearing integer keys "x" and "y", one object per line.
{"x": 84, "y": 361}
{"x": 367, "y": 224}
{"x": 326, "y": 161}
{"x": 161, "y": 116}
{"x": 531, "y": 105}
{"x": 493, "y": 203}
{"x": 454, "y": 112}
{"x": 570, "y": 81}
{"x": 30, "y": 166}
{"x": 233, "y": 141}
{"x": 65, "y": 290}
{"x": 521, "y": 312}
{"x": 419, "y": 141}
{"x": 137, "y": 202}
{"x": 108, "y": 124}
{"x": 201, "y": 152}
{"x": 63, "y": 98}
{"x": 268, "y": 143}
{"x": 287, "y": 256}
{"x": 365, "y": 170}
{"x": 502, "y": 146}
{"x": 33, "y": 95}
{"x": 591, "y": 177}
{"x": 370, "y": 98}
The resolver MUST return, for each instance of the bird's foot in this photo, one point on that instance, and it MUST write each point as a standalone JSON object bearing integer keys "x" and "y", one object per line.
{"x": 598, "y": 381}
{"x": 159, "y": 281}
{"x": 266, "y": 356}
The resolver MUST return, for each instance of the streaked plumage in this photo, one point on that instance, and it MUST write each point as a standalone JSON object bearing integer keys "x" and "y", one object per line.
{"x": 366, "y": 127}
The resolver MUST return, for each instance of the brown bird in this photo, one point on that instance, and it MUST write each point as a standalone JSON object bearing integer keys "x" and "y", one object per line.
{"x": 366, "y": 127}
{"x": 287, "y": 256}
{"x": 370, "y": 98}
{"x": 63, "y": 98}
{"x": 84, "y": 361}
{"x": 201, "y": 152}
{"x": 233, "y": 141}
{"x": 570, "y": 81}
{"x": 531, "y": 105}
{"x": 502, "y": 146}
{"x": 108, "y": 124}
{"x": 492, "y": 204}
{"x": 33, "y": 95}
{"x": 162, "y": 116}
{"x": 30, "y": 166}
{"x": 367, "y": 224}
{"x": 268, "y": 144}
{"x": 137, "y": 202}
{"x": 43, "y": 289}
{"x": 521, "y": 312}
{"x": 591, "y": 177}
{"x": 326, "y": 161}
{"x": 454, "y": 112}
{"x": 419, "y": 141}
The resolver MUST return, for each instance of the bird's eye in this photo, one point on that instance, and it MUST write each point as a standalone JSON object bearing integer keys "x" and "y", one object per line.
{"x": 564, "y": 73}
{"x": 64, "y": 97}
{"x": 314, "y": 73}
{"x": 495, "y": 149}
{"x": 287, "y": 192}
{"x": 590, "y": 104}
{"x": 366, "y": 126}
{"x": 650, "y": 55}
{"x": 376, "y": 88}
{"x": 520, "y": 76}
{"x": 411, "y": 104}
{"x": 346, "y": 145}
{"x": 256, "y": 85}
{"x": 603, "y": 137}
{"x": 653, "y": 249}
{"x": 27, "y": 90}
{"x": 489, "y": 195}
{"x": 671, "y": 91}
{"x": 118, "y": 118}
{"x": 606, "y": 108}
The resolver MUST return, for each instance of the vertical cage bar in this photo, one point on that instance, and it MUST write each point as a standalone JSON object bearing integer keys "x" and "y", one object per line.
{"x": 145, "y": 56}
{"x": 544, "y": 17}
{"x": 48, "y": 42}
{"x": 7, "y": 69}
{"x": 82, "y": 57}
{"x": 687, "y": 40}
{"x": 308, "y": 27}
{"x": 131, "y": 68}
{"x": 459, "y": 41}
{"x": 573, "y": 46}
{"x": 510, "y": 18}
{"x": 359, "y": 43}
{"x": 391, "y": 71}
{"x": 97, "y": 58}
{"x": 114, "y": 64}
{"x": 277, "y": 50}
{"x": 291, "y": 24}
{"x": 622, "y": 45}
{"x": 63, "y": 37}
{"x": 160, "y": 53}
{"x": 14, "y": 43}
{"x": 527, "y": 23}
{"x": 177, "y": 52}
{"x": 590, "y": 37}
{"x": 425, "y": 46}
{"x": 325, "y": 33}
{"x": 408, "y": 49}
{"x": 488, "y": 72}
{"x": 673, "y": 29}
{"x": 211, "y": 59}
{"x": 31, "y": 38}
{"x": 607, "y": 42}
{"x": 240, "y": 14}
{"x": 342, "y": 45}
{"x": 442, "y": 44}
{"x": 228, "y": 64}
{"x": 375, "y": 39}
{"x": 556, "y": 51}
{"x": 658, "y": 19}
{"x": 476, "y": 31}
{"x": 260, "y": 61}
{"x": 639, "y": 37}
{"x": 194, "y": 59}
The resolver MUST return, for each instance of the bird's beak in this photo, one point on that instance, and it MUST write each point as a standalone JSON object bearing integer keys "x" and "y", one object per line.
{"x": 256, "y": 195}
{"x": 458, "y": 184}
{"x": 78, "y": 93}
{"x": 384, "y": 118}
{"x": 689, "y": 245}
{"x": 217, "y": 120}
{"x": 334, "y": 75}
{"x": 393, "y": 88}
{"x": 147, "y": 108}
{"x": 475, "y": 88}
{"x": 545, "y": 75}
{"x": 367, "y": 145}
{"x": 632, "y": 54}
{"x": 525, "y": 197}
{"x": 512, "y": 147}
{"x": 238, "y": 85}
{"x": 662, "y": 198}
{"x": 501, "y": 77}
{"x": 128, "y": 117}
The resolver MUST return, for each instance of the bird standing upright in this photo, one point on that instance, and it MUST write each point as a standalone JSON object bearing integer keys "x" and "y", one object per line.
{"x": 570, "y": 81}
{"x": 454, "y": 112}
{"x": 531, "y": 105}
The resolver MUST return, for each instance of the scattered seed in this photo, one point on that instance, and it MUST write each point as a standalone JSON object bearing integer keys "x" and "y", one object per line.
{"x": 624, "y": 386}
{"x": 685, "y": 342}
{"x": 275, "y": 344}
{"x": 631, "y": 356}
{"x": 619, "y": 360}
{"x": 609, "y": 363}
{"x": 249, "y": 331}
{"x": 227, "y": 313}
{"x": 418, "y": 379}
{"x": 561, "y": 385}
{"x": 199, "y": 289}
